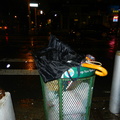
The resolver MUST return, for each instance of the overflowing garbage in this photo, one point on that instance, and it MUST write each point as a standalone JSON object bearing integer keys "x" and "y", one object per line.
{"x": 55, "y": 59}
{"x": 67, "y": 80}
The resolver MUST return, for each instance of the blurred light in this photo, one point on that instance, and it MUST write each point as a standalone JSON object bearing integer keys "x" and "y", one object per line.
{"x": 8, "y": 65}
{"x": 40, "y": 25}
{"x": 41, "y": 12}
{"x": 115, "y": 18}
{"x": 115, "y": 11}
{"x": 84, "y": 22}
{"x": 49, "y": 21}
{"x": 6, "y": 37}
{"x": 33, "y": 4}
{"x": 32, "y": 22}
{"x": 32, "y": 41}
{"x": 33, "y": 29}
{"x": 112, "y": 43}
{"x": 55, "y": 15}
{"x": 75, "y": 19}
{"x": 112, "y": 46}
{"x": 5, "y": 27}
{"x": 30, "y": 65}
{"x": 15, "y": 16}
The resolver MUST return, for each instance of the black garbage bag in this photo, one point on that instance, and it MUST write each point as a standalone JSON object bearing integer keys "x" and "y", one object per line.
{"x": 55, "y": 59}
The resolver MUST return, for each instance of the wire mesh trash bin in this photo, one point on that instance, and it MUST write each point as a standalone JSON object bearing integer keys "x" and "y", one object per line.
{"x": 67, "y": 80}
{"x": 69, "y": 104}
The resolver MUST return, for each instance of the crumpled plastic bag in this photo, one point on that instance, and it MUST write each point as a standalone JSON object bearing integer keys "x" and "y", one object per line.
{"x": 55, "y": 59}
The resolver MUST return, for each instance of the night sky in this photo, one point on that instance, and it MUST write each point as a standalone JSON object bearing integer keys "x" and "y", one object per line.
{"x": 20, "y": 6}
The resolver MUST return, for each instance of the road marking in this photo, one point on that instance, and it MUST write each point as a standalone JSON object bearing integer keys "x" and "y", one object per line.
{"x": 16, "y": 60}
{"x": 18, "y": 72}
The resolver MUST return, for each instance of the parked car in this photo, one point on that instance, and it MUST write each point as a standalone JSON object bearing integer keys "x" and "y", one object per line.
{"x": 93, "y": 31}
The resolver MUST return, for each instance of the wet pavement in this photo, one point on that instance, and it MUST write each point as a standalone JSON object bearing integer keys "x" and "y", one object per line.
{"x": 28, "y": 101}
{"x": 32, "y": 109}
{"x": 19, "y": 76}
{"x": 29, "y": 109}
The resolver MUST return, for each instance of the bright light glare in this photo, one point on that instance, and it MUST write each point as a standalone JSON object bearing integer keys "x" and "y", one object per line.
{"x": 115, "y": 18}
{"x": 41, "y": 12}
{"x": 8, "y": 65}
{"x": 15, "y": 16}
{"x": 33, "y": 4}
{"x": 55, "y": 15}
{"x": 5, "y": 27}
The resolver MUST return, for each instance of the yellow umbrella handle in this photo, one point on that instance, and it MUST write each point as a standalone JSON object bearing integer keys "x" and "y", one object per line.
{"x": 100, "y": 71}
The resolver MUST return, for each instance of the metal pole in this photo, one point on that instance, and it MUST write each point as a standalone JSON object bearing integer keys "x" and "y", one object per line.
{"x": 29, "y": 17}
{"x": 35, "y": 21}
{"x": 114, "y": 105}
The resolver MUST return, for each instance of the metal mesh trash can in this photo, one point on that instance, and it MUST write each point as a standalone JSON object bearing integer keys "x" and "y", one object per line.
{"x": 69, "y": 104}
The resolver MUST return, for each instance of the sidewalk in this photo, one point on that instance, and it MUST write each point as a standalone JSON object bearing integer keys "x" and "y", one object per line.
{"x": 28, "y": 102}
{"x": 32, "y": 109}
{"x": 100, "y": 110}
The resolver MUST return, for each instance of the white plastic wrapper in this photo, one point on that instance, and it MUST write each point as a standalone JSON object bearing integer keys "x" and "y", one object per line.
{"x": 74, "y": 103}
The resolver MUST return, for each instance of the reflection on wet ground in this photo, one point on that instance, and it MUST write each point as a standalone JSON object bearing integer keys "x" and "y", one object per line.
{"x": 29, "y": 109}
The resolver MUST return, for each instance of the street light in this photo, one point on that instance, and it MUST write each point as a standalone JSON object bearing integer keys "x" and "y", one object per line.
{"x": 34, "y": 5}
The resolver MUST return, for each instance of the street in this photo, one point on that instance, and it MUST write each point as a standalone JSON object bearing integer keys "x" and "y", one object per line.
{"x": 19, "y": 75}
{"x": 16, "y": 58}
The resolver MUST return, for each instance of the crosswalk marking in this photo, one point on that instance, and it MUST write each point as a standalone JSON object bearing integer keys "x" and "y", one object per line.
{"x": 18, "y": 72}
{"x": 16, "y": 60}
